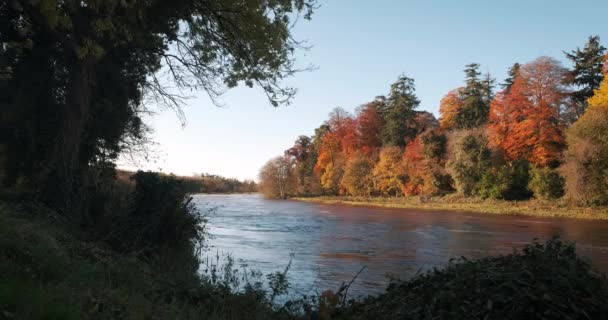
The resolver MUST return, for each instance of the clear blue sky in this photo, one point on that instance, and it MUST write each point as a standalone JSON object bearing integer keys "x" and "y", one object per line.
{"x": 360, "y": 48}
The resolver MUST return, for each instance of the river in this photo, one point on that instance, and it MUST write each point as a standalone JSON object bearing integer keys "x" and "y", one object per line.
{"x": 329, "y": 244}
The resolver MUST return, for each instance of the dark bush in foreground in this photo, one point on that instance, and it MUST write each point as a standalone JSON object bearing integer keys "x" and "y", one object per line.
{"x": 543, "y": 281}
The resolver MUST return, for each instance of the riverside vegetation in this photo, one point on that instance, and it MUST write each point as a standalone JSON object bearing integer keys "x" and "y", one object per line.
{"x": 542, "y": 136}
{"x": 144, "y": 264}
{"x": 77, "y": 80}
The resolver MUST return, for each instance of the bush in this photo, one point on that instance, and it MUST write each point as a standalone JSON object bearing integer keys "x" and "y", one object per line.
{"x": 509, "y": 182}
{"x": 161, "y": 218}
{"x": 586, "y": 165}
{"x": 470, "y": 158}
{"x": 543, "y": 281}
{"x": 546, "y": 183}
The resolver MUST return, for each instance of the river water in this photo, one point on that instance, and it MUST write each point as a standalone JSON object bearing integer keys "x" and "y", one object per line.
{"x": 330, "y": 244}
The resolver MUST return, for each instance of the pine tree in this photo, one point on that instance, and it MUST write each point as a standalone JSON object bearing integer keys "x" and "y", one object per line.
{"x": 512, "y": 74}
{"x": 399, "y": 110}
{"x": 586, "y": 75}
{"x": 475, "y": 99}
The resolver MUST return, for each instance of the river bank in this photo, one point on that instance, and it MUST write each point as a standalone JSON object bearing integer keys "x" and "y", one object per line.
{"x": 553, "y": 209}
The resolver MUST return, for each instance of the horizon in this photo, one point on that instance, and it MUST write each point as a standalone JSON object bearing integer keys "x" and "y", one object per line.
{"x": 430, "y": 45}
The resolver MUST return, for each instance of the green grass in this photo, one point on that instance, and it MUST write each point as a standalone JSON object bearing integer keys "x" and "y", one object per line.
{"x": 48, "y": 270}
{"x": 537, "y": 208}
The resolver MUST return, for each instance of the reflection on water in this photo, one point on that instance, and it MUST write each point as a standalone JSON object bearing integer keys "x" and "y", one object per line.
{"x": 328, "y": 244}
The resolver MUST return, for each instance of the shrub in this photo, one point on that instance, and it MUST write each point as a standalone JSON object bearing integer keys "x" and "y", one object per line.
{"x": 161, "y": 218}
{"x": 508, "y": 181}
{"x": 586, "y": 165}
{"x": 543, "y": 281}
{"x": 546, "y": 183}
{"x": 470, "y": 158}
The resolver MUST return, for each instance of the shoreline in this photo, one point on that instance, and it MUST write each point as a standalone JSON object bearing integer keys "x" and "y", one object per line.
{"x": 532, "y": 208}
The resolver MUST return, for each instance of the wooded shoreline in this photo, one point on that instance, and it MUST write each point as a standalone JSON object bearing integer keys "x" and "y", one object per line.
{"x": 536, "y": 208}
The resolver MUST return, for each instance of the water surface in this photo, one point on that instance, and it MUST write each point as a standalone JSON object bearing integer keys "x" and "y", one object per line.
{"x": 329, "y": 244}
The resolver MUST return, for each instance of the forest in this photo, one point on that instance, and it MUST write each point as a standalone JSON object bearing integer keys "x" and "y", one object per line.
{"x": 540, "y": 133}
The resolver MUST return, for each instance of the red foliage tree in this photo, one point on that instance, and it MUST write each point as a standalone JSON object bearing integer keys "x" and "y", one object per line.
{"x": 369, "y": 124}
{"x": 525, "y": 121}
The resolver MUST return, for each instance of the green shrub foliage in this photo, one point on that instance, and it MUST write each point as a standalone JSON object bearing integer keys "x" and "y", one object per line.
{"x": 543, "y": 281}
{"x": 507, "y": 181}
{"x": 546, "y": 183}
{"x": 471, "y": 158}
{"x": 161, "y": 217}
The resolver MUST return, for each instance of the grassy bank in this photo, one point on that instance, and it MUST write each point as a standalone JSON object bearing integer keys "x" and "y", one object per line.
{"x": 450, "y": 203}
{"x": 49, "y": 270}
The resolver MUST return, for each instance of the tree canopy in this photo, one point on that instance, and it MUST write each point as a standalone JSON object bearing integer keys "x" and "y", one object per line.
{"x": 78, "y": 76}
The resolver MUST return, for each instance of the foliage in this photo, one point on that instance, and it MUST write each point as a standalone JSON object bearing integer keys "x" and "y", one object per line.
{"x": 78, "y": 76}
{"x": 161, "y": 218}
{"x": 546, "y": 183}
{"x": 483, "y": 144}
{"x": 470, "y": 159}
{"x": 389, "y": 172}
{"x": 52, "y": 270}
{"x": 511, "y": 76}
{"x": 304, "y": 154}
{"x": 505, "y": 181}
{"x": 547, "y": 281}
{"x": 586, "y": 75}
{"x": 600, "y": 96}
{"x": 449, "y": 107}
{"x": 277, "y": 178}
{"x": 358, "y": 179}
{"x": 398, "y": 113}
{"x": 370, "y": 124}
{"x": 586, "y": 165}
{"x": 525, "y": 121}
{"x": 475, "y": 96}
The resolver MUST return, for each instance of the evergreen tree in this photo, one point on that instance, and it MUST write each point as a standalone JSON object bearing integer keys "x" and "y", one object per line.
{"x": 586, "y": 75}
{"x": 398, "y": 110}
{"x": 512, "y": 74}
{"x": 476, "y": 96}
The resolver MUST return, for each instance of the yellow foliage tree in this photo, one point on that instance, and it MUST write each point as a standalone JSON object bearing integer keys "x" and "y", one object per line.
{"x": 389, "y": 172}
{"x": 600, "y": 95}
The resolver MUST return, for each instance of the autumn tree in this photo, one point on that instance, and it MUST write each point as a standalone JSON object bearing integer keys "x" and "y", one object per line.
{"x": 389, "y": 172}
{"x": 586, "y": 75}
{"x": 586, "y": 165}
{"x": 525, "y": 121}
{"x": 449, "y": 107}
{"x": 358, "y": 179}
{"x": 369, "y": 122}
{"x": 415, "y": 168}
{"x": 304, "y": 155}
{"x": 277, "y": 178}
{"x": 399, "y": 110}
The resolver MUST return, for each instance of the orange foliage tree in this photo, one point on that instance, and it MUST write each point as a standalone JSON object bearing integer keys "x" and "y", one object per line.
{"x": 415, "y": 167}
{"x": 525, "y": 121}
{"x": 448, "y": 108}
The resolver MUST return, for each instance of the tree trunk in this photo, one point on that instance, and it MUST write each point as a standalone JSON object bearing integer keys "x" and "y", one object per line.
{"x": 63, "y": 185}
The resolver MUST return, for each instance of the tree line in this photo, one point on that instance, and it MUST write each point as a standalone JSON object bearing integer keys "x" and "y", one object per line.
{"x": 542, "y": 133}
{"x": 201, "y": 183}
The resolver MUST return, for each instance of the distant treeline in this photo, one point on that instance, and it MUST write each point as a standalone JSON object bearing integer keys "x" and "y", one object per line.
{"x": 206, "y": 183}
{"x": 542, "y": 134}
